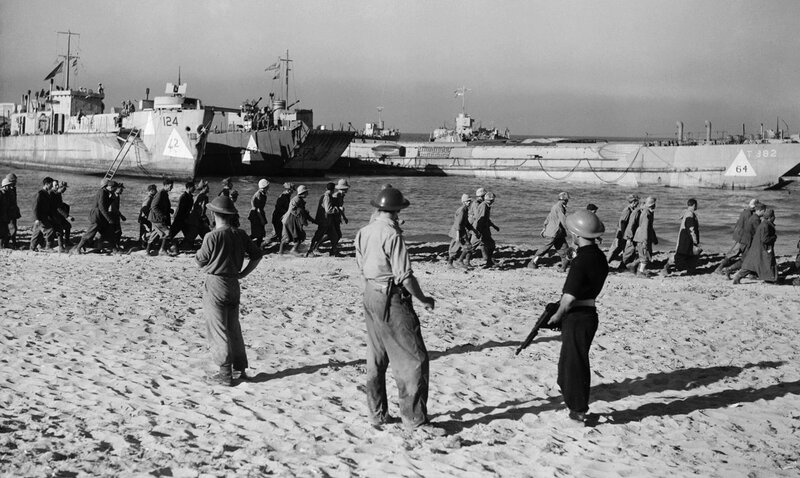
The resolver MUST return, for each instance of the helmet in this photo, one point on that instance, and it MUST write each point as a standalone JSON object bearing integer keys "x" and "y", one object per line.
{"x": 650, "y": 201}
{"x": 563, "y": 195}
{"x": 490, "y": 196}
{"x": 633, "y": 197}
{"x": 591, "y": 207}
{"x": 342, "y": 184}
{"x": 584, "y": 224}
{"x": 263, "y": 184}
{"x": 753, "y": 203}
{"x": 5, "y": 182}
{"x": 11, "y": 177}
{"x": 223, "y": 205}
{"x": 390, "y": 199}
{"x": 302, "y": 190}
{"x": 480, "y": 192}
{"x": 464, "y": 197}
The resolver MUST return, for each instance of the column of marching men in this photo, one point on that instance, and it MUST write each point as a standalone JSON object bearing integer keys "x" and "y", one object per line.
{"x": 387, "y": 277}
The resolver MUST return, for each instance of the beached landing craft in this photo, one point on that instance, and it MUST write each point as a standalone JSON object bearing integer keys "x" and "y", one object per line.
{"x": 760, "y": 162}
{"x": 66, "y": 129}
{"x": 274, "y": 140}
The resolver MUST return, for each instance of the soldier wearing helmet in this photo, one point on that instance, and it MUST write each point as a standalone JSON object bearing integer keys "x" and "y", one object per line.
{"x": 618, "y": 246}
{"x": 644, "y": 237}
{"x": 459, "y": 234}
{"x": 577, "y": 314}
{"x": 555, "y": 234}
{"x": 393, "y": 328}
{"x": 257, "y": 216}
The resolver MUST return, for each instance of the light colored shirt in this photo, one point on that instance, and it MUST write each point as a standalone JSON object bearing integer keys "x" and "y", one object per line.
{"x": 381, "y": 252}
{"x": 222, "y": 252}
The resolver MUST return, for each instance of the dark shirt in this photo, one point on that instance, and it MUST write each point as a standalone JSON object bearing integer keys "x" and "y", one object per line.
{"x": 749, "y": 230}
{"x": 281, "y": 206}
{"x": 160, "y": 208}
{"x": 185, "y": 203}
{"x": 42, "y": 207}
{"x": 587, "y": 274}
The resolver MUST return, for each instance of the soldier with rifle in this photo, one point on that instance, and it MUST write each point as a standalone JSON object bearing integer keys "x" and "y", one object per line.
{"x": 577, "y": 314}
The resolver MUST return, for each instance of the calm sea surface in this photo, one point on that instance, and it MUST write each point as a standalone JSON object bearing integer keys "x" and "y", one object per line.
{"x": 519, "y": 210}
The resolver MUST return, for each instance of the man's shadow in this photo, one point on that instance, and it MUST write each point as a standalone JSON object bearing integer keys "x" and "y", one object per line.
{"x": 432, "y": 354}
{"x": 683, "y": 379}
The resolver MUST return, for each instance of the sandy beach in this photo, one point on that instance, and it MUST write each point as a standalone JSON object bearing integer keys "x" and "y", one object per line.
{"x": 104, "y": 366}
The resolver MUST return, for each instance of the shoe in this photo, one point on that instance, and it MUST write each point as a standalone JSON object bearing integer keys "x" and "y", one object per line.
{"x": 241, "y": 376}
{"x": 577, "y": 416}
{"x": 533, "y": 265}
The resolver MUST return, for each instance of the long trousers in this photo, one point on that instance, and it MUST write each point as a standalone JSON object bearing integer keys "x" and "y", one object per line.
{"x": 42, "y": 234}
{"x": 617, "y": 247}
{"x": 574, "y": 375}
{"x": 394, "y": 335}
{"x": 629, "y": 255}
{"x": 221, "y": 311}
{"x": 558, "y": 243}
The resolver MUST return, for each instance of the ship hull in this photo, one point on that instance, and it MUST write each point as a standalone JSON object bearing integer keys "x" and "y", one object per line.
{"x": 168, "y": 145}
{"x": 740, "y": 166}
{"x": 274, "y": 152}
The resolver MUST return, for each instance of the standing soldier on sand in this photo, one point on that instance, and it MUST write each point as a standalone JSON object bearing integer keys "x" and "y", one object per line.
{"x": 618, "y": 246}
{"x": 459, "y": 234}
{"x": 555, "y": 233}
{"x": 160, "y": 212}
{"x": 99, "y": 217}
{"x": 687, "y": 249}
{"x": 739, "y": 245}
{"x": 13, "y": 208}
{"x": 257, "y": 216}
{"x": 645, "y": 237}
{"x": 44, "y": 223}
{"x": 393, "y": 328}
{"x": 221, "y": 257}
{"x": 281, "y": 206}
{"x": 577, "y": 312}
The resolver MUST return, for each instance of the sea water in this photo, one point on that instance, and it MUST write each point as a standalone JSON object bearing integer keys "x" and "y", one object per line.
{"x": 519, "y": 210}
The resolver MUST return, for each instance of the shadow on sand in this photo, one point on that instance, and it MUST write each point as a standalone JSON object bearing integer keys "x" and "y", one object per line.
{"x": 683, "y": 379}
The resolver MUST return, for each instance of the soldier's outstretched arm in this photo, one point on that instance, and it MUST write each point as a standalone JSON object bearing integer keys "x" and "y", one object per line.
{"x": 412, "y": 286}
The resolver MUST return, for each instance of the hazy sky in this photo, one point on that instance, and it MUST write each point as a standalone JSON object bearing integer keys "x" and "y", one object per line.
{"x": 588, "y": 67}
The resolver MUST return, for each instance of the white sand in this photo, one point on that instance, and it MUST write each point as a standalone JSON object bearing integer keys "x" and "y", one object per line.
{"x": 103, "y": 363}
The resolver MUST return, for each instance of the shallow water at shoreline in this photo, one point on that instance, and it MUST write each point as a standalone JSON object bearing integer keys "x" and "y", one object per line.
{"x": 519, "y": 210}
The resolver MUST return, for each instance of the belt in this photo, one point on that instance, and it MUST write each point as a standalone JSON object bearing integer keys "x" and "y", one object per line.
{"x": 583, "y": 303}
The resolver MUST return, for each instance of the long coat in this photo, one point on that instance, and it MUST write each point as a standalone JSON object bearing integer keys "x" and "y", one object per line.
{"x": 688, "y": 235}
{"x": 760, "y": 257}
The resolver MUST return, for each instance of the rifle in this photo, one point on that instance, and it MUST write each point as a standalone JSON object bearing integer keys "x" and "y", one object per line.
{"x": 549, "y": 310}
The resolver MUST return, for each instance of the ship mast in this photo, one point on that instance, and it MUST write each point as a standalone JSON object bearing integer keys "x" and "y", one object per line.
{"x": 286, "y": 62}
{"x": 68, "y": 57}
{"x": 462, "y": 92}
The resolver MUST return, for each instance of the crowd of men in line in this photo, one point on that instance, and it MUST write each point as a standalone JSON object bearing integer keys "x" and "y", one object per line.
{"x": 753, "y": 251}
{"x": 160, "y": 223}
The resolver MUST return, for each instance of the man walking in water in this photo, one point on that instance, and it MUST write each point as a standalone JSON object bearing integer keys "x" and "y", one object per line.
{"x": 393, "y": 328}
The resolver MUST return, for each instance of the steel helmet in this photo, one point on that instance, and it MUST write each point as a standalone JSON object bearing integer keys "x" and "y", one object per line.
{"x": 11, "y": 177}
{"x": 6, "y": 182}
{"x": 390, "y": 199}
{"x": 563, "y": 195}
{"x": 480, "y": 192}
{"x": 584, "y": 224}
{"x": 465, "y": 197}
{"x": 650, "y": 201}
{"x": 263, "y": 183}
